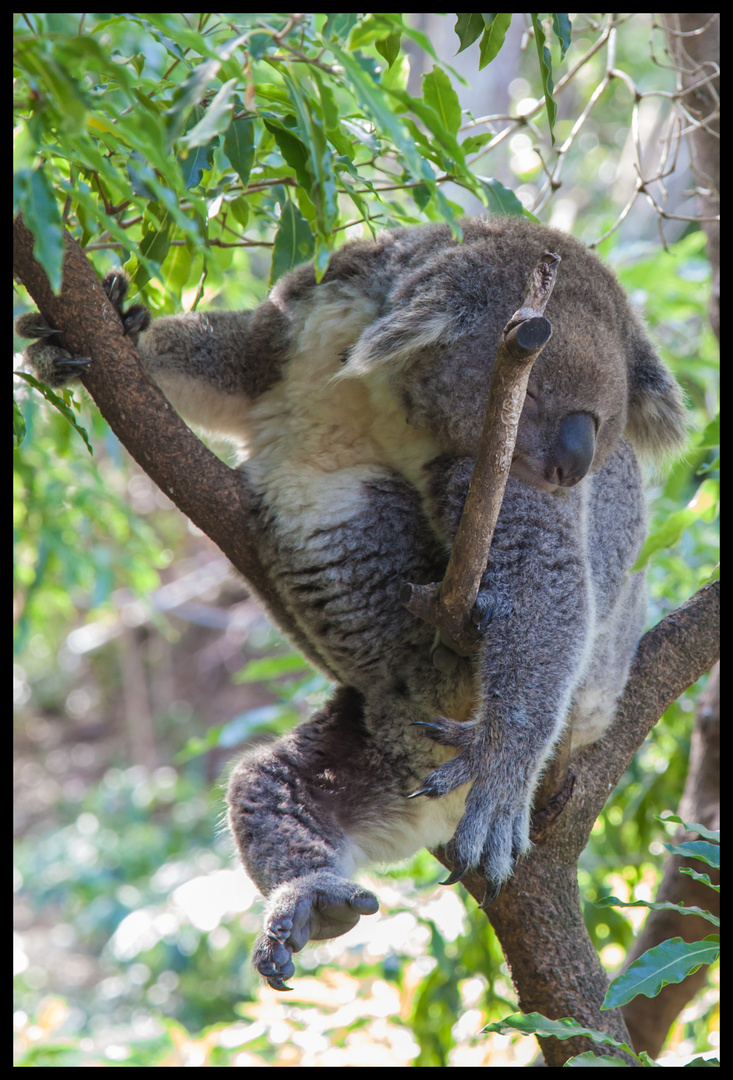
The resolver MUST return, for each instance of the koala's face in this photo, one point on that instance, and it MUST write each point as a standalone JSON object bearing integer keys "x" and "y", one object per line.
{"x": 574, "y": 411}
{"x": 436, "y": 341}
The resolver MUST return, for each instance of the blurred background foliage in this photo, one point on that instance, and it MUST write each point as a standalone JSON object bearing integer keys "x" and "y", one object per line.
{"x": 208, "y": 154}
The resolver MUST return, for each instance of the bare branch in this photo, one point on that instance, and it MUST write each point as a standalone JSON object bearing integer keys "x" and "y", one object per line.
{"x": 448, "y": 605}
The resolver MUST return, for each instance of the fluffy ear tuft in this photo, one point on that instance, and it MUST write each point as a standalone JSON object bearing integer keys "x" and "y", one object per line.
{"x": 396, "y": 339}
{"x": 656, "y": 423}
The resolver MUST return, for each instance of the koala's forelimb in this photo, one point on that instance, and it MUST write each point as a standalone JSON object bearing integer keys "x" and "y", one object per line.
{"x": 449, "y": 606}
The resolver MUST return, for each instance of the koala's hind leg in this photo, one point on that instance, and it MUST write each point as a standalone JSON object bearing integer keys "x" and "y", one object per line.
{"x": 294, "y": 807}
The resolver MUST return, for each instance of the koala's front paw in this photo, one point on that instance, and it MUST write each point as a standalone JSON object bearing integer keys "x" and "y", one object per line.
{"x": 54, "y": 365}
{"x": 135, "y": 319}
{"x": 494, "y": 829}
{"x": 312, "y": 908}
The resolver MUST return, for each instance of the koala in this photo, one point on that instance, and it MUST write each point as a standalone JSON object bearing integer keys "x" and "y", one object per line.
{"x": 357, "y": 402}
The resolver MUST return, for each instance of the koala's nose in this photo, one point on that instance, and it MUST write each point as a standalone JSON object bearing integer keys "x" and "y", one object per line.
{"x": 574, "y": 450}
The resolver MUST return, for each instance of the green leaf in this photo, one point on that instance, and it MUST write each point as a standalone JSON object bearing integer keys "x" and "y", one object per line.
{"x": 58, "y": 403}
{"x": 499, "y": 199}
{"x": 196, "y": 162}
{"x": 291, "y": 148}
{"x": 704, "y": 878}
{"x": 339, "y": 25}
{"x": 493, "y": 38}
{"x": 374, "y": 27}
{"x": 59, "y": 89}
{"x": 156, "y": 239}
{"x": 239, "y": 147}
{"x": 189, "y": 93}
{"x": 657, "y": 905}
{"x": 670, "y": 962}
{"x": 691, "y": 826}
{"x": 294, "y": 242}
{"x": 376, "y": 104}
{"x": 562, "y": 29}
{"x": 389, "y": 47}
{"x": 472, "y": 143}
{"x": 322, "y": 189}
{"x": 18, "y": 425}
{"x": 469, "y": 26}
{"x": 433, "y": 120}
{"x": 41, "y": 215}
{"x": 704, "y": 505}
{"x": 596, "y": 1061}
{"x": 545, "y": 60}
{"x": 439, "y": 94}
{"x": 271, "y": 667}
{"x": 567, "y": 1028}
{"x": 710, "y": 437}
{"x": 697, "y": 849}
{"x": 215, "y": 120}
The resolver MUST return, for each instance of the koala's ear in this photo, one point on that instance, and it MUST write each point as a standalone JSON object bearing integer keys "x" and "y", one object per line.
{"x": 396, "y": 340}
{"x": 656, "y": 423}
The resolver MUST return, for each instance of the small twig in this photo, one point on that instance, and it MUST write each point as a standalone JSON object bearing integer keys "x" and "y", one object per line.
{"x": 448, "y": 605}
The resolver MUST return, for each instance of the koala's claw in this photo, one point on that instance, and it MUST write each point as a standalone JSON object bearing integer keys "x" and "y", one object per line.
{"x": 69, "y": 367}
{"x": 493, "y": 888}
{"x": 136, "y": 318}
{"x": 54, "y": 365}
{"x": 494, "y": 829}
{"x": 459, "y": 871}
{"x": 33, "y": 325}
{"x": 483, "y": 612}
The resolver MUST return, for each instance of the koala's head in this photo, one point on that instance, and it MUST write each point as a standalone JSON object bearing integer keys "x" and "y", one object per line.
{"x": 596, "y": 380}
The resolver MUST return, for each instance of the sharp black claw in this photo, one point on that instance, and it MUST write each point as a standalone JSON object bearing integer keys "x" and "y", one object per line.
{"x": 455, "y": 875}
{"x": 69, "y": 365}
{"x": 493, "y": 889}
{"x": 278, "y": 983}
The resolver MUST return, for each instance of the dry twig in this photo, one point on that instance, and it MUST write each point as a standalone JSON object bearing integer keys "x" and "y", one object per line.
{"x": 448, "y": 605}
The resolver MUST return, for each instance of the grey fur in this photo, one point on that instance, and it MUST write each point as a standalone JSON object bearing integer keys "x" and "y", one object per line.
{"x": 358, "y": 402}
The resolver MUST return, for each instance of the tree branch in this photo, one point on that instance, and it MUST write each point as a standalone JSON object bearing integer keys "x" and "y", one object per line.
{"x": 216, "y": 498}
{"x": 555, "y": 968}
{"x": 448, "y": 605}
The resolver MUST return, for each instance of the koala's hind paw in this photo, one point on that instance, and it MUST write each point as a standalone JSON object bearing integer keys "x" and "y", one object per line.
{"x": 490, "y": 837}
{"x": 311, "y": 908}
{"x": 494, "y": 829}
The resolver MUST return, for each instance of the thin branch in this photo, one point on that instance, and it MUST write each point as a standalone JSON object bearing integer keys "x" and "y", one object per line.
{"x": 448, "y": 605}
